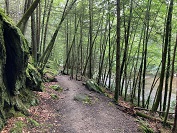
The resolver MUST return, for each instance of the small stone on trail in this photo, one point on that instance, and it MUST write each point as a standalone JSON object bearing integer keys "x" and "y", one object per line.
{"x": 67, "y": 89}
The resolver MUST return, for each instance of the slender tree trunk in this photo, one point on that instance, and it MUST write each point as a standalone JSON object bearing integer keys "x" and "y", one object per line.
{"x": 170, "y": 90}
{"x": 126, "y": 38}
{"x": 147, "y": 21}
{"x": 38, "y": 26}
{"x": 88, "y": 53}
{"x": 167, "y": 35}
{"x": 153, "y": 85}
{"x": 102, "y": 54}
{"x": 43, "y": 26}
{"x": 46, "y": 26}
{"x": 90, "y": 37}
{"x": 67, "y": 43}
{"x": 71, "y": 47}
{"x": 44, "y": 58}
{"x": 81, "y": 40}
{"x": 22, "y": 23}
{"x": 117, "y": 88}
{"x": 174, "y": 130}
{"x": 33, "y": 36}
{"x": 136, "y": 74}
{"x": 7, "y": 6}
{"x": 173, "y": 60}
{"x": 26, "y": 6}
{"x": 109, "y": 41}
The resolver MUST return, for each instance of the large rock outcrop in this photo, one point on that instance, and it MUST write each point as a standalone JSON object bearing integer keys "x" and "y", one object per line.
{"x": 14, "y": 55}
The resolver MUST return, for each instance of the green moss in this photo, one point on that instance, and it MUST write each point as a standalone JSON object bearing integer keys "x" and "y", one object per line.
{"x": 83, "y": 98}
{"x": 52, "y": 67}
{"x": 33, "y": 123}
{"x": 49, "y": 77}
{"x": 144, "y": 127}
{"x": 91, "y": 85}
{"x": 34, "y": 102}
{"x": 34, "y": 79}
{"x": 18, "y": 105}
{"x": 13, "y": 113}
{"x": 11, "y": 23}
{"x": 54, "y": 96}
{"x": 53, "y": 72}
{"x": 18, "y": 127}
{"x": 1, "y": 123}
{"x": 28, "y": 98}
{"x": 14, "y": 51}
{"x": 5, "y": 17}
{"x": 56, "y": 88}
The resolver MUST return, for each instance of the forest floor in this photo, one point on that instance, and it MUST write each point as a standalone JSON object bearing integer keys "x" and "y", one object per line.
{"x": 75, "y": 109}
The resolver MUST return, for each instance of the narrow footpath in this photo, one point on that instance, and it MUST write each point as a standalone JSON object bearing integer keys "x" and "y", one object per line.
{"x": 100, "y": 116}
{"x": 73, "y": 110}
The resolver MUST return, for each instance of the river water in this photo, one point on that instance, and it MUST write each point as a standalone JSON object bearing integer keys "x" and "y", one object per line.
{"x": 149, "y": 80}
{"x": 148, "y": 83}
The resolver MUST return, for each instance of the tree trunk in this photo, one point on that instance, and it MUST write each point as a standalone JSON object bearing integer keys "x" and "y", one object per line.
{"x": 175, "y": 120}
{"x": 117, "y": 89}
{"x": 170, "y": 90}
{"x": 46, "y": 26}
{"x": 7, "y": 6}
{"x": 33, "y": 38}
{"x": 44, "y": 58}
{"x": 22, "y": 23}
{"x": 167, "y": 35}
{"x": 90, "y": 74}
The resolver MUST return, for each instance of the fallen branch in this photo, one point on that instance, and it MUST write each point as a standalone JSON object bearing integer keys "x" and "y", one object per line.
{"x": 133, "y": 112}
{"x": 161, "y": 112}
{"x": 138, "y": 113}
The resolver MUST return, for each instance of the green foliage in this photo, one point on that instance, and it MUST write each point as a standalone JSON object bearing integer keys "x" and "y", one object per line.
{"x": 34, "y": 79}
{"x": 83, "y": 98}
{"x": 1, "y": 123}
{"x": 56, "y": 88}
{"x": 13, "y": 113}
{"x": 28, "y": 98}
{"x": 54, "y": 96}
{"x": 33, "y": 123}
{"x": 145, "y": 127}
{"x": 52, "y": 67}
{"x": 18, "y": 127}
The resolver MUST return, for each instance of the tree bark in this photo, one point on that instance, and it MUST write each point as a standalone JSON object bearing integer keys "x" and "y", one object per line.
{"x": 7, "y": 6}
{"x": 22, "y": 23}
{"x": 44, "y": 58}
{"x": 167, "y": 35}
{"x": 117, "y": 89}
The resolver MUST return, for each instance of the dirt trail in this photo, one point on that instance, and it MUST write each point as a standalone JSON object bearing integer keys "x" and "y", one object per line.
{"x": 101, "y": 116}
{"x": 64, "y": 114}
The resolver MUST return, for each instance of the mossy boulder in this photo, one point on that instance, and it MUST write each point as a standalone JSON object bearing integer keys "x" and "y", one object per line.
{"x": 93, "y": 86}
{"x": 49, "y": 76}
{"x": 34, "y": 78}
{"x": 83, "y": 98}
{"x": 14, "y": 53}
